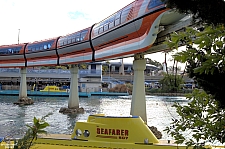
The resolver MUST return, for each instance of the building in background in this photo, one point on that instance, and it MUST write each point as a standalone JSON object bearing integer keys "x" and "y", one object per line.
{"x": 115, "y": 68}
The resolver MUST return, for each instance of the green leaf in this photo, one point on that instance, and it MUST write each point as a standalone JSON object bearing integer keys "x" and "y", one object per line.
{"x": 35, "y": 120}
{"x": 198, "y": 40}
{"x": 44, "y": 125}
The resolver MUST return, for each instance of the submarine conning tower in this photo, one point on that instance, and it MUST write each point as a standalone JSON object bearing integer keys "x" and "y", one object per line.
{"x": 120, "y": 129}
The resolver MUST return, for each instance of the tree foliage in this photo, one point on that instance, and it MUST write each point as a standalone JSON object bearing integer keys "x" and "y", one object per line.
{"x": 153, "y": 62}
{"x": 204, "y": 116}
{"x": 171, "y": 83}
{"x": 83, "y": 66}
{"x": 205, "y": 58}
{"x": 209, "y": 11}
{"x": 201, "y": 118}
{"x": 106, "y": 67}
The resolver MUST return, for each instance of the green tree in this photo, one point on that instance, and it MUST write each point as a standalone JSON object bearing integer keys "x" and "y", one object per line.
{"x": 209, "y": 11}
{"x": 201, "y": 118}
{"x": 105, "y": 67}
{"x": 60, "y": 67}
{"x": 83, "y": 66}
{"x": 54, "y": 67}
{"x": 204, "y": 55}
{"x": 204, "y": 116}
{"x": 171, "y": 83}
{"x": 150, "y": 61}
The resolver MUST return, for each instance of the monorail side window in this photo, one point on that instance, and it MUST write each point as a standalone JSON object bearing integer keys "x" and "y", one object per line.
{"x": 49, "y": 46}
{"x": 111, "y": 22}
{"x": 65, "y": 41}
{"x": 117, "y": 19}
{"x": 154, "y": 3}
{"x": 60, "y": 42}
{"x": 125, "y": 13}
{"x": 83, "y": 34}
{"x": 68, "y": 40}
{"x": 2, "y": 51}
{"x": 100, "y": 30}
{"x": 78, "y": 37}
{"x": 17, "y": 49}
{"x": 106, "y": 27}
{"x": 73, "y": 40}
{"x": 13, "y": 50}
{"x": 50, "y": 43}
{"x": 96, "y": 29}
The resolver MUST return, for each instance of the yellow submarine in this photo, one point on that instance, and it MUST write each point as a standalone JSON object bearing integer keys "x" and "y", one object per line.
{"x": 106, "y": 132}
{"x": 53, "y": 89}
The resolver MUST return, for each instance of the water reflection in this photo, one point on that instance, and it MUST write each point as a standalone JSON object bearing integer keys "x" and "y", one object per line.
{"x": 14, "y": 118}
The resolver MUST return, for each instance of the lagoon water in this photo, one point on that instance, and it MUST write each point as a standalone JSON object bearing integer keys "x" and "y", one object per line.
{"x": 13, "y": 118}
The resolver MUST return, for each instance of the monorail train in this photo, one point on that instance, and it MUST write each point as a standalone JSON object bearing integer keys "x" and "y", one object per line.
{"x": 133, "y": 29}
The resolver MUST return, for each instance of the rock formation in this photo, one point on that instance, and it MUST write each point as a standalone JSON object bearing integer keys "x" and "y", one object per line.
{"x": 24, "y": 101}
{"x": 65, "y": 110}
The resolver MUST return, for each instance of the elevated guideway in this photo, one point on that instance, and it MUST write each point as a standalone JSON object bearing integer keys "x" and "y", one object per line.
{"x": 165, "y": 32}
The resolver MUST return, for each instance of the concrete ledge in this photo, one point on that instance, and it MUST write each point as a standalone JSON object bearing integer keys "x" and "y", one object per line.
{"x": 61, "y": 94}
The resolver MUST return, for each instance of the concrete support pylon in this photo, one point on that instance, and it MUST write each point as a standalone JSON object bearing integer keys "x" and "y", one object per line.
{"x": 23, "y": 83}
{"x": 121, "y": 69}
{"x": 138, "y": 103}
{"x": 74, "y": 94}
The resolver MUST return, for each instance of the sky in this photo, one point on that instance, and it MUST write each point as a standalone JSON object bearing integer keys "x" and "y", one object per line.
{"x": 34, "y": 20}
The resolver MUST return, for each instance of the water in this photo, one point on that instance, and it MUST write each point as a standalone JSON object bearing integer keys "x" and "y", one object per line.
{"x": 13, "y": 118}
